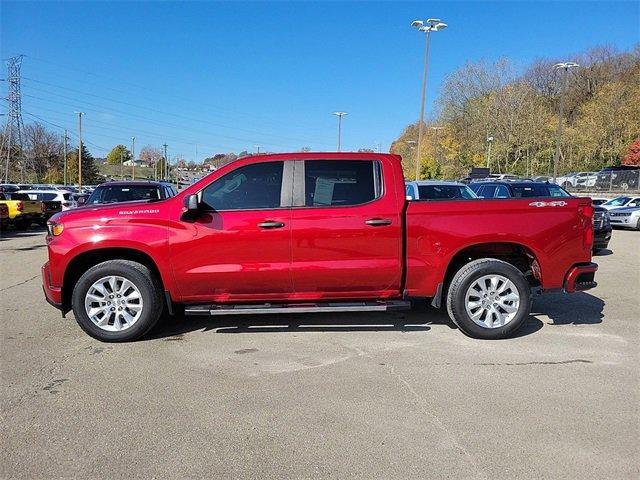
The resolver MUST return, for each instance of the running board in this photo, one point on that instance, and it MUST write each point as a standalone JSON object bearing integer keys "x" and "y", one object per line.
{"x": 217, "y": 309}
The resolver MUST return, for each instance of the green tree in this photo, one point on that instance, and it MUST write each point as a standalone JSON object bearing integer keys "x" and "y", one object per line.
{"x": 120, "y": 153}
{"x": 89, "y": 168}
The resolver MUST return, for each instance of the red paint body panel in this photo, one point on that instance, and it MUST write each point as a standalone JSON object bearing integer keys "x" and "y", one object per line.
{"x": 322, "y": 252}
{"x": 437, "y": 231}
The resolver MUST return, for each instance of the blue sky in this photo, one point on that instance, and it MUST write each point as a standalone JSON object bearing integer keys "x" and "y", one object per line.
{"x": 221, "y": 77}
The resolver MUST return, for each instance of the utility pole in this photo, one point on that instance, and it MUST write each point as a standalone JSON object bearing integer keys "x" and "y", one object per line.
{"x": 121, "y": 167}
{"x": 165, "y": 167}
{"x": 80, "y": 151}
{"x": 565, "y": 66}
{"x": 133, "y": 157}
{"x": 340, "y": 115}
{"x": 431, "y": 25}
{"x": 65, "y": 156}
{"x": 489, "y": 142}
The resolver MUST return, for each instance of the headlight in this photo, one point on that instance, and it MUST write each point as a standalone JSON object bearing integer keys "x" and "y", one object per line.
{"x": 55, "y": 229}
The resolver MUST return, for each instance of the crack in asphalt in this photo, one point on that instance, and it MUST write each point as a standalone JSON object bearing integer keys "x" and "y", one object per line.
{"x": 19, "y": 283}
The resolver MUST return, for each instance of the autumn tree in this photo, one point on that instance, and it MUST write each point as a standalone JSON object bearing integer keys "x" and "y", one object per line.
{"x": 119, "y": 154}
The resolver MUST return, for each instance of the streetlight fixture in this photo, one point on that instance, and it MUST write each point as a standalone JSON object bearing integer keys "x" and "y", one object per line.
{"x": 489, "y": 142}
{"x": 340, "y": 115}
{"x": 565, "y": 67}
{"x": 431, "y": 25}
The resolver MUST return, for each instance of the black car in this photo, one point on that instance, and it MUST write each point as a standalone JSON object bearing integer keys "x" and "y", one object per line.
{"x": 620, "y": 177}
{"x": 523, "y": 189}
{"x": 601, "y": 228}
{"x": 116, "y": 192}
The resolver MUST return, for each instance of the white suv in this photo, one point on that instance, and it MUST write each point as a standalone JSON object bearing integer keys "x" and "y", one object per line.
{"x": 65, "y": 198}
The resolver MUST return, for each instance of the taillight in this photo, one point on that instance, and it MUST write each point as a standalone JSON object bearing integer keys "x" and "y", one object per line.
{"x": 20, "y": 206}
{"x": 585, "y": 212}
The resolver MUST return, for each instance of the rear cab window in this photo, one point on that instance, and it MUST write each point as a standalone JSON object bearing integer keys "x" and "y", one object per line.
{"x": 341, "y": 183}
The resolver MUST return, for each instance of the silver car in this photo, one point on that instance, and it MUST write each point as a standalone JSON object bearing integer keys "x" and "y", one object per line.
{"x": 625, "y": 217}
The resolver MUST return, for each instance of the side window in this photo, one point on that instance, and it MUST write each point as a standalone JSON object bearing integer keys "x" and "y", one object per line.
{"x": 252, "y": 187}
{"x": 409, "y": 192}
{"x": 487, "y": 191}
{"x": 341, "y": 182}
{"x": 502, "y": 192}
{"x": 634, "y": 203}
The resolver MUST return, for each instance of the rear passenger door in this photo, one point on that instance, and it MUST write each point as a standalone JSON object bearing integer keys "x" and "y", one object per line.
{"x": 346, "y": 230}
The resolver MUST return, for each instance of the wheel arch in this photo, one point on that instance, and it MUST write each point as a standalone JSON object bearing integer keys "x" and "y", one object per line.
{"x": 85, "y": 260}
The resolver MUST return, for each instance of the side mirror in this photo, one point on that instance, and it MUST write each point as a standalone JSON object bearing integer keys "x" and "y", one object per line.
{"x": 191, "y": 208}
{"x": 191, "y": 203}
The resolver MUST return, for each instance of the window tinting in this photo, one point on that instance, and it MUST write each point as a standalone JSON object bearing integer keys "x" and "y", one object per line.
{"x": 502, "y": 192}
{"x": 556, "y": 191}
{"x": 251, "y": 187}
{"x": 341, "y": 182}
{"x": 123, "y": 193}
{"x": 487, "y": 191}
{"x": 444, "y": 192}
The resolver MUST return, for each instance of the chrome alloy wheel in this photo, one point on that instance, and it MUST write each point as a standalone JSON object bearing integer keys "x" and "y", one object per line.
{"x": 113, "y": 303}
{"x": 492, "y": 301}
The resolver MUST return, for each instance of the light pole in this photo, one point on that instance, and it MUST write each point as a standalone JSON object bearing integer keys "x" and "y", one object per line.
{"x": 489, "y": 142}
{"x": 133, "y": 157}
{"x": 80, "y": 151}
{"x": 564, "y": 66}
{"x": 431, "y": 25}
{"x": 340, "y": 115}
{"x": 257, "y": 147}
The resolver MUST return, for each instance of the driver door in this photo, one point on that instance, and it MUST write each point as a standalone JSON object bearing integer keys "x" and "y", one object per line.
{"x": 239, "y": 247}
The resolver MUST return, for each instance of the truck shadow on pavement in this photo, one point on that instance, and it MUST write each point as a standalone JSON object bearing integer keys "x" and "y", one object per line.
{"x": 560, "y": 309}
{"x": 31, "y": 232}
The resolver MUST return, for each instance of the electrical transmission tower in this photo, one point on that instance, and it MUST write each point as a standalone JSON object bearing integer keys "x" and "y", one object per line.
{"x": 14, "y": 128}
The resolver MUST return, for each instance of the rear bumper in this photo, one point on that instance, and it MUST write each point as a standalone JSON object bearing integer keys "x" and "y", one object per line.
{"x": 580, "y": 277}
{"x": 52, "y": 294}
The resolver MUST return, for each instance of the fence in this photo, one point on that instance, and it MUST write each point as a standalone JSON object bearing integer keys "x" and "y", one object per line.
{"x": 616, "y": 181}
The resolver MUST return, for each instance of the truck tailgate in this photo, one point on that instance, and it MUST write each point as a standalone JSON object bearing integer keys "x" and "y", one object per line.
{"x": 558, "y": 232}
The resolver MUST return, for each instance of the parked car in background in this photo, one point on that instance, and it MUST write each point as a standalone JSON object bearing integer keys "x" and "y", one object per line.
{"x": 598, "y": 200}
{"x": 438, "y": 190}
{"x": 522, "y": 189}
{"x": 62, "y": 197}
{"x": 621, "y": 202}
{"x": 578, "y": 179}
{"x": 8, "y": 187}
{"x": 22, "y": 210}
{"x": 4, "y": 216}
{"x": 628, "y": 217}
{"x": 620, "y": 177}
{"x": 541, "y": 179}
{"x": 601, "y": 228}
{"x": 129, "y": 191}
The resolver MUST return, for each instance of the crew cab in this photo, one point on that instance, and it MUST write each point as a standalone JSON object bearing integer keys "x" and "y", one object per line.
{"x": 313, "y": 232}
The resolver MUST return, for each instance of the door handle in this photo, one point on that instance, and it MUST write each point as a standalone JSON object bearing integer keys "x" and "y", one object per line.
{"x": 271, "y": 224}
{"x": 378, "y": 222}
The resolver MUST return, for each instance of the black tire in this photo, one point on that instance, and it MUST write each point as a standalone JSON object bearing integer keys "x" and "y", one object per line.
{"x": 150, "y": 289}
{"x": 21, "y": 224}
{"x": 464, "y": 278}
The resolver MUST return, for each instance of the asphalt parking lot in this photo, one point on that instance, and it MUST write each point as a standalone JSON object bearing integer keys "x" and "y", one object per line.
{"x": 399, "y": 395}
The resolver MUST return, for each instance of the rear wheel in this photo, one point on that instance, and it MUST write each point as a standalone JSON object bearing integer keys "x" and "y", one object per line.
{"x": 117, "y": 301}
{"x": 489, "y": 299}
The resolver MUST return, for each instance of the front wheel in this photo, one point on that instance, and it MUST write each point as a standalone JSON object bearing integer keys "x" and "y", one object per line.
{"x": 117, "y": 301}
{"x": 489, "y": 299}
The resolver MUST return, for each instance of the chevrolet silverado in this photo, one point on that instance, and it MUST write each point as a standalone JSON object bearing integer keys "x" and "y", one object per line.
{"x": 313, "y": 232}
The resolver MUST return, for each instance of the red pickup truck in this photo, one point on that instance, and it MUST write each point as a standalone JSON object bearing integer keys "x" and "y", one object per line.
{"x": 313, "y": 232}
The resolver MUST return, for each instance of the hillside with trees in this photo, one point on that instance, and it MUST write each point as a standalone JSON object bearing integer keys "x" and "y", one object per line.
{"x": 514, "y": 113}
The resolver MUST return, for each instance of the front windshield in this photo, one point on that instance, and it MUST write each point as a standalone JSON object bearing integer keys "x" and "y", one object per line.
{"x": 445, "y": 192}
{"x": 123, "y": 193}
{"x": 617, "y": 202}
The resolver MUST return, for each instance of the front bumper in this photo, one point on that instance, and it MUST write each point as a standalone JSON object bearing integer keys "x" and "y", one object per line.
{"x": 52, "y": 294}
{"x": 580, "y": 277}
